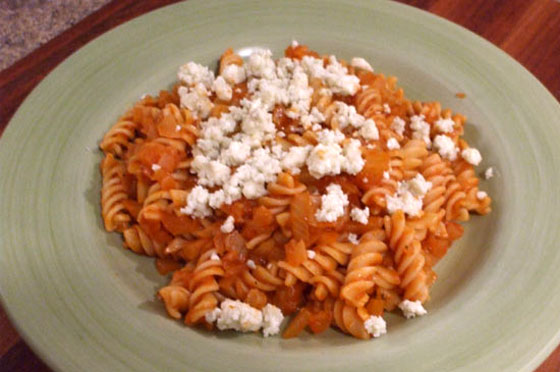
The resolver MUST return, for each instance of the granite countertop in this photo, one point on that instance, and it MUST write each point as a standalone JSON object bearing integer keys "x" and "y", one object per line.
{"x": 27, "y": 24}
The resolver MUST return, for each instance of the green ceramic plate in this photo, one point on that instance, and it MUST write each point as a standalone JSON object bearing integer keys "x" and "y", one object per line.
{"x": 85, "y": 304}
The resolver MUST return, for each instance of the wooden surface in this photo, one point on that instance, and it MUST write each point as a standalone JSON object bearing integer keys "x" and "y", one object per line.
{"x": 529, "y": 30}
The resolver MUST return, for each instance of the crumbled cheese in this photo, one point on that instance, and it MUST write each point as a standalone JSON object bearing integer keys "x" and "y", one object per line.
{"x": 197, "y": 203}
{"x": 353, "y": 161}
{"x": 360, "y": 64}
{"x": 327, "y": 136}
{"x": 412, "y": 309}
{"x": 272, "y": 319}
{"x": 393, "y": 144}
{"x": 210, "y": 172}
{"x": 236, "y": 315}
{"x": 369, "y": 130}
{"x": 420, "y": 129}
{"x": 418, "y": 185}
{"x": 360, "y": 215}
{"x": 472, "y": 156}
{"x": 398, "y": 125}
{"x": 386, "y": 108}
{"x": 222, "y": 89}
{"x": 233, "y": 74}
{"x": 212, "y": 315}
{"x": 177, "y": 128}
{"x": 295, "y": 158}
{"x": 251, "y": 264}
{"x": 236, "y": 153}
{"x": 325, "y": 160}
{"x": 196, "y": 100}
{"x": 261, "y": 65}
{"x": 409, "y": 195}
{"x": 481, "y": 195}
{"x": 386, "y": 175}
{"x": 156, "y": 167}
{"x": 311, "y": 254}
{"x": 346, "y": 115}
{"x": 375, "y": 326}
{"x": 353, "y": 238}
{"x": 193, "y": 73}
{"x": 332, "y": 204}
{"x": 217, "y": 198}
{"x": 228, "y": 225}
{"x": 334, "y": 75}
{"x": 313, "y": 119}
{"x": 444, "y": 125}
{"x": 489, "y": 173}
{"x": 215, "y": 257}
{"x": 446, "y": 147}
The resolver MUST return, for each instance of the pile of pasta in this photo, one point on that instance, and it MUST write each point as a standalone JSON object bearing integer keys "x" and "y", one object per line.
{"x": 356, "y": 270}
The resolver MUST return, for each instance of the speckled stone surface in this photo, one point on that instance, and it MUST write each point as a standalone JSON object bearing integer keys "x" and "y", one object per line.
{"x": 27, "y": 24}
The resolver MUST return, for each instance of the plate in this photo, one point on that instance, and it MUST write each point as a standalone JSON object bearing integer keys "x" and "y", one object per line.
{"x": 84, "y": 303}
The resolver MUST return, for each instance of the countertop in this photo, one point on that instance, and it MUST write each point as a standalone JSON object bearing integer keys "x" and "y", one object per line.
{"x": 36, "y": 35}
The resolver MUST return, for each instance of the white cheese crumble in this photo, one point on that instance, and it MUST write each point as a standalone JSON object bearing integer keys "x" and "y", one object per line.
{"x": 412, "y": 309}
{"x": 489, "y": 173}
{"x": 272, "y": 319}
{"x": 295, "y": 158}
{"x": 242, "y": 317}
{"x": 446, "y": 147}
{"x": 233, "y": 74}
{"x": 236, "y": 315}
{"x": 222, "y": 89}
{"x": 375, "y": 326}
{"x": 360, "y": 215}
{"x": 360, "y": 64}
{"x": 481, "y": 195}
{"x": 398, "y": 125}
{"x": 386, "y": 175}
{"x": 251, "y": 264}
{"x": 444, "y": 125}
{"x": 334, "y": 75}
{"x": 353, "y": 161}
{"x": 313, "y": 119}
{"x": 235, "y": 153}
{"x": 177, "y": 128}
{"x": 197, "y": 203}
{"x": 386, "y": 108}
{"x": 215, "y": 257}
{"x": 196, "y": 100}
{"x": 156, "y": 167}
{"x": 210, "y": 172}
{"x": 327, "y": 136}
{"x": 369, "y": 130}
{"x": 419, "y": 186}
{"x": 325, "y": 160}
{"x": 332, "y": 204}
{"x": 311, "y": 254}
{"x": 228, "y": 225}
{"x": 420, "y": 129}
{"x": 471, "y": 155}
{"x": 393, "y": 144}
{"x": 409, "y": 195}
{"x": 193, "y": 73}
{"x": 353, "y": 238}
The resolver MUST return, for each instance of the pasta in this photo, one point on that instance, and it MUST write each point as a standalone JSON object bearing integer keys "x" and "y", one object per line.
{"x": 302, "y": 186}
